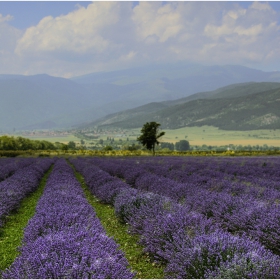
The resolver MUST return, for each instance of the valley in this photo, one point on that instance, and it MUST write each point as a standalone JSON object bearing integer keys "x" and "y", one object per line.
{"x": 197, "y": 136}
{"x": 191, "y": 102}
{"x": 46, "y": 102}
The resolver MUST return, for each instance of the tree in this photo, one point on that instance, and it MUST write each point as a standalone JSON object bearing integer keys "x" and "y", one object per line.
{"x": 133, "y": 147}
{"x": 150, "y": 135}
{"x": 167, "y": 145}
{"x": 108, "y": 148}
{"x": 72, "y": 145}
{"x": 64, "y": 147}
{"x": 182, "y": 145}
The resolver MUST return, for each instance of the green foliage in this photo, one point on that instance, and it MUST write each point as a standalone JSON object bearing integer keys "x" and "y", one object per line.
{"x": 10, "y": 143}
{"x": 59, "y": 145}
{"x": 132, "y": 147}
{"x": 64, "y": 148}
{"x": 108, "y": 148}
{"x": 150, "y": 135}
{"x": 182, "y": 145}
{"x": 71, "y": 145}
{"x": 167, "y": 145}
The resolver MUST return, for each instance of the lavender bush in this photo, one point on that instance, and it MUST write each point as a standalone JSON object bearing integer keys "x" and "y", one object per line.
{"x": 240, "y": 194}
{"x": 168, "y": 231}
{"x": 65, "y": 239}
{"x": 138, "y": 208}
{"x": 209, "y": 255}
{"x": 203, "y": 218}
{"x": 20, "y": 184}
{"x": 10, "y": 165}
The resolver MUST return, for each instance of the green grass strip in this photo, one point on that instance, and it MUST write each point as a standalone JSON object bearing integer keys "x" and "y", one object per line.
{"x": 138, "y": 261}
{"x": 11, "y": 233}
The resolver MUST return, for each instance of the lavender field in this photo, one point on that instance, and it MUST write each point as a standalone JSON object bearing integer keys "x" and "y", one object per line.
{"x": 197, "y": 217}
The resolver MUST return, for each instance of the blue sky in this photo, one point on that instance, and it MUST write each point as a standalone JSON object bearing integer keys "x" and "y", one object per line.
{"x": 28, "y": 13}
{"x": 71, "y": 38}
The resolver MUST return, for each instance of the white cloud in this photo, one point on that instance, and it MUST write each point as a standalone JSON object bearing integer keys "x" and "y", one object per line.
{"x": 129, "y": 56}
{"x": 113, "y": 35}
{"x": 80, "y": 31}
{"x": 245, "y": 36}
{"x": 261, "y": 6}
{"x": 151, "y": 18}
{"x": 9, "y": 35}
{"x": 6, "y": 18}
{"x": 251, "y": 31}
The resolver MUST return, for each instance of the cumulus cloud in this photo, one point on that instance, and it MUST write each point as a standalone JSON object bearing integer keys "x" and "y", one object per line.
{"x": 8, "y": 34}
{"x": 6, "y": 18}
{"x": 8, "y": 39}
{"x": 80, "y": 31}
{"x": 261, "y": 6}
{"x": 112, "y": 35}
{"x": 246, "y": 35}
{"x": 155, "y": 19}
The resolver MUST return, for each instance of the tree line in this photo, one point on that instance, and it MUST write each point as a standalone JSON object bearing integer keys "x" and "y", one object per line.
{"x": 11, "y": 143}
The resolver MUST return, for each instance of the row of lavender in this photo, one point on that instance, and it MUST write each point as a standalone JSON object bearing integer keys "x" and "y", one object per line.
{"x": 9, "y": 165}
{"x": 258, "y": 177}
{"x": 259, "y": 172}
{"x": 24, "y": 181}
{"x": 65, "y": 239}
{"x": 190, "y": 245}
{"x": 243, "y": 214}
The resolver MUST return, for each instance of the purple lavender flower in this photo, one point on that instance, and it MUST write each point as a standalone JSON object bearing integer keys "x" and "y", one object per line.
{"x": 65, "y": 239}
{"x": 25, "y": 180}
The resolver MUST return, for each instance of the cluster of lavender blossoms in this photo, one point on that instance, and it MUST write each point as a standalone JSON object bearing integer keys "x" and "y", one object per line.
{"x": 65, "y": 239}
{"x": 201, "y": 217}
{"x": 24, "y": 180}
{"x": 241, "y": 194}
{"x": 9, "y": 165}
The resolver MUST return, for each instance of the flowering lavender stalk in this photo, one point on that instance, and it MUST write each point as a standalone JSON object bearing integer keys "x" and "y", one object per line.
{"x": 241, "y": 195}
{"x": 101, "y": 184}
{"x": 20, "y": 184}
{"x": 209, "y": 255}
{"x": 193, "y": 245}
{"x": 10, "y": 165}
{"x": 65, "y": 239}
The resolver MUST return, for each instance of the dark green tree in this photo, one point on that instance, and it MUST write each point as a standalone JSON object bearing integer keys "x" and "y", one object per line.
{"x": 133, "y": 147}
{"x": 182, "y": 145}
{"x": 64, "y": 147}
{"x": 72, "y": 145}
{"x": 167, "y": 145}
{"x": 108, "y": 148}
{"x": 150, "y": 135}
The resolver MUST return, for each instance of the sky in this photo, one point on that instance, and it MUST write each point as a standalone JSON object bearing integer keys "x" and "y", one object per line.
{"x": 72, "y": 38}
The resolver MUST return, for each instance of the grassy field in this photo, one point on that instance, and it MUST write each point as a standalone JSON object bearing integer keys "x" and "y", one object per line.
{"x": 213, "y": 136}
{"x": 210, "y": 135}
{"x": 61, "y": 139}
{"x": 207, "y": 135}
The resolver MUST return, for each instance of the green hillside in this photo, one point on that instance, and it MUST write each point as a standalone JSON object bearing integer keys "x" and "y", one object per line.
{"x": 46, "y": 102}
{"x": 234, "y": 90}
{"x": 237, "y": 107}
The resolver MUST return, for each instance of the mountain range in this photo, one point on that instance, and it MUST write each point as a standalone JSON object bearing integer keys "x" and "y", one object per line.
{"x": 246, "y": 106}
{"x": 46, "y": 102}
